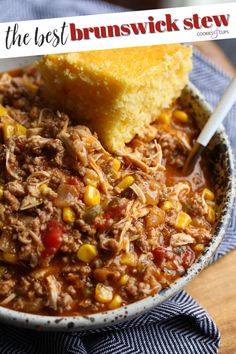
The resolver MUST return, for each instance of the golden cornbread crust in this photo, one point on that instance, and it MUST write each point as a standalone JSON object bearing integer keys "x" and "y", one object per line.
{"x": 116, "y": 92}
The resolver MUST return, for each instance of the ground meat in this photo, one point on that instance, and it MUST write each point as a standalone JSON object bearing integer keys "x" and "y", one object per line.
{"x": 108, "y": 244}
{"x": 197, "y": 205}
{"x": 7, "y": 287}
{"x": 103, "y": 274}
{"x": 76, "y": 219}
{"x": 71, "y": 242}
{"x": 34, "y": 305}
{"x": 11, "y": 200}
{"x": 85, "y": 228}
{"x": 54, "y": 147}
{"x": 15, "y": 188}
{"x": 25, "y": 284}
{"x": 64, "y": 302}
{"x": 83, "y": 270}
{"x": 201, "y": 235}
{"x": 174, "y": 149}
{"x": 131, "y": 287}
{"x": 154, "y": 238}
{"x": 142, "y": 243}
{"x": 29, "y": 253}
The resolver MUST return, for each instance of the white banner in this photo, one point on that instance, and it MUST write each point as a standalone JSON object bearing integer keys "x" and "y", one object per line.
{"x": 125, "y": 29}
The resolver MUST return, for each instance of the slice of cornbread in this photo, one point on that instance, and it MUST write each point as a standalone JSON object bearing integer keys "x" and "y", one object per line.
{"x": 116, "y": 92}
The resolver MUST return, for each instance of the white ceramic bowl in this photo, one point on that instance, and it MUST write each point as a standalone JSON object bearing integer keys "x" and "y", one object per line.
{"x": 222, "y": 167}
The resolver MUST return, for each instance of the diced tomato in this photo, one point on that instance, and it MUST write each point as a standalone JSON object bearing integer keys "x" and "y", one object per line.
{"x": 108, "y": 219}
{"x": 159, "y": 254}
{"x": 73, "y": 181}
{"x": 20, "y": 143}
{"x": 104, "y": 223}
{"x": 51, "y": 237}
{"x": 188, "y": 257}
{"x": 116, "y": 209}
{"x": 48, "y": 252}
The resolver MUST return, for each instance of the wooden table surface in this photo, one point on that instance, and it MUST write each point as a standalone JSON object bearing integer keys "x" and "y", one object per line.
{"x": 215, "y": 290}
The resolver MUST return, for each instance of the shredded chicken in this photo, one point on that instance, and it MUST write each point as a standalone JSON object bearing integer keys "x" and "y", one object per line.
{"x": 175, "y": 191}
{"x": 103, "y": 180}
{"x": 138, "y": 192}
{"x": 10, "y": 161}
{"x": 54, "y": 288}
{"x": 76, "y": 219}
{"x": 30, "y": 202}
{"x": 8, "y": 299}
{"x": 181, "y": 239}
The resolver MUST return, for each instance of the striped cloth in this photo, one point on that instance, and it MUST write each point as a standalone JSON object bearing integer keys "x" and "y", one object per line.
{"x": 178, "y": 326}
{"x": 211, "y": 81}
{"x": 17, "y": 10}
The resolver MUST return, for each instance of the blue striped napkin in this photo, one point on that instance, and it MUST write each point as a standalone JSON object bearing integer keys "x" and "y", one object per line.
{"x": 178, "y": 326}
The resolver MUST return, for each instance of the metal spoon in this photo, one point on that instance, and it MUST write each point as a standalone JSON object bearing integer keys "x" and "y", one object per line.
{"x": 213, "y": 123}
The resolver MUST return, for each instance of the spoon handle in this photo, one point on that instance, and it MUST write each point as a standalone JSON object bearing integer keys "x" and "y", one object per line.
{"x": 222, "y": 108}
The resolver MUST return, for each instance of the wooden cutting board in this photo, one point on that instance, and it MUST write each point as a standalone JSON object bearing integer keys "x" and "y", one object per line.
{"x": 215, "y": 290}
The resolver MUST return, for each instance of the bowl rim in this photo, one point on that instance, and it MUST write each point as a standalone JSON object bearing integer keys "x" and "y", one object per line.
{"x": 109, "y": 318}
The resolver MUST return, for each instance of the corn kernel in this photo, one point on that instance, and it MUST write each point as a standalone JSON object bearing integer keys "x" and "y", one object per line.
{"x": 91, "y": 178}
{"x": 20, "y": 130}
{"x": 86, "y": 253}
{"x": 43, "y": 188}
{"x": 103, "y": 293}
{"x": 126, "y": 183}
{"x": 152, "y": 197}
{"x": 128, "y": 259}
{"x": 158, "y": 273}
{"x": 10, "y": 130}
{"x": 68, "y": 215}
{"x": 2, "y": 270}
{"x": 164, "y": 118}
{"x": 183, "y": 220}
{"x": 199, "y": 247}
{"x": 208, "y": 194}
{"x": 3, "y": 111}
{"x": 211, "y": 215}
{"x": 140, "y": 267}
{"x": 9, "y": 257}
{"x": 124, "y": 279}
{"x": 31, "y": 87}
{"x": 116, "y": 165}
{"x": 1, "y": 192}
{"x": 115, "y": 303}
{"x": 187, "y": 138}
{"x": 181, "y": 116}
{"x": 91, "y": 196}
{"x": 166, "y": 205}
